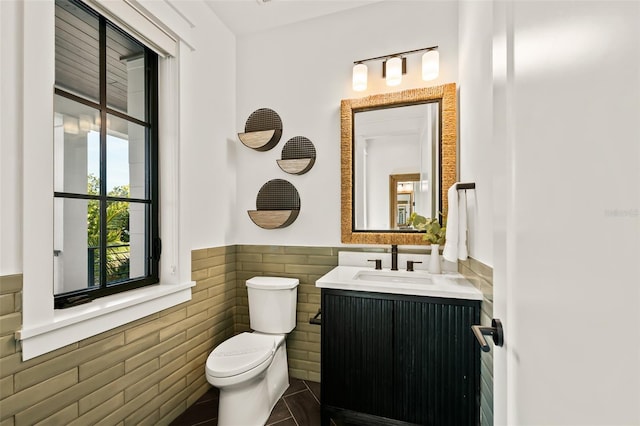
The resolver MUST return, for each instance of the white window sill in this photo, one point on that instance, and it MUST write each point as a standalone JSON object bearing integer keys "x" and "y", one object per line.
{"x": 79, "y": 322}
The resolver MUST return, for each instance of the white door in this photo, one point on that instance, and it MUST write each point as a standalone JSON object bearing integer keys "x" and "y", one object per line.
{"x": 567, "y": 212}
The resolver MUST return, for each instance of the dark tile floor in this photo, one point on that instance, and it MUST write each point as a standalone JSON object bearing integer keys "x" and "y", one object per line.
{"x": 298, "y": 406}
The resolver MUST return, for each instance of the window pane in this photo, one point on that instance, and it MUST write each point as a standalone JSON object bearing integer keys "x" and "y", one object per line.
{"x": 126, "y": 162}
{"x": 75, "y": 244}
{"x": 76, "y": 152}
{"x": 125, "y": 74}
{"x": 77, "y": 46}
{"x": 126, "y": 236}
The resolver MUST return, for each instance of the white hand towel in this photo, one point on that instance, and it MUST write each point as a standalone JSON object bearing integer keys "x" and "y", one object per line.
{"x": 450, "y": 251}
{"x": 462, "y": 225}
{"x": 455, "y": 246}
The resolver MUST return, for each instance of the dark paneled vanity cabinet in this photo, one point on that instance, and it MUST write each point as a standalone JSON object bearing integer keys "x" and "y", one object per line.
{"x": 396, "y": 359}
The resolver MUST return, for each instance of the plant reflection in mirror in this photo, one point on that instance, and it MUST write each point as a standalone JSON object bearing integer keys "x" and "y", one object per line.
{"x": 434, "y": 233}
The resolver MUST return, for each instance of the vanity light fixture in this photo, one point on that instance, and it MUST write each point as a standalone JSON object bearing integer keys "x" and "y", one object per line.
{"x": 394, "y": 65}
{"x": 430, "y": 65}
{"x": 359, "y": 77}
{"x": 394, "y": 70}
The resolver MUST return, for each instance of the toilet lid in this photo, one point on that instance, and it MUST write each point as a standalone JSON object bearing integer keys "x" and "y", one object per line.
{"x": 240, "y": 353}
{"x": 272, "y": 283}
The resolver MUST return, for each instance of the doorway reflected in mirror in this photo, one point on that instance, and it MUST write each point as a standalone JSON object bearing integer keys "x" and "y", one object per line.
{"x": 406, "y": 193}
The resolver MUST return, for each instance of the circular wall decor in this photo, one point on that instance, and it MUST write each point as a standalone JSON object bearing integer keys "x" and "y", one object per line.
{"x": 262, "y": 130}
{"x": 277, "y": 205}
{"x": 298, "y": 156}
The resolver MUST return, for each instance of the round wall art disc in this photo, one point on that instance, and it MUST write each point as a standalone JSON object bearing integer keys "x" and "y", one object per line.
{"x": 262, "y": 130}
{"x": 298, "y": 156}
{"x": 277, "y": 205}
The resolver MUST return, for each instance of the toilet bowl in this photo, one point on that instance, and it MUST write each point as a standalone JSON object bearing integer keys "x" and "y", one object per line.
{"x": 250, "y": 369}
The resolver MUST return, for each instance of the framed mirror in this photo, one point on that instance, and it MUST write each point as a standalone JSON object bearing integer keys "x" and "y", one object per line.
{"x": 406, "y": 142}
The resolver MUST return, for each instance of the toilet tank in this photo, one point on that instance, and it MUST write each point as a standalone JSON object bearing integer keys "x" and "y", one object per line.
{"x": 272, "y": 304}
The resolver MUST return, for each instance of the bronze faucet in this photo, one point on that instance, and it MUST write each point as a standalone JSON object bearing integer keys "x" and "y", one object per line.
{"x": 394, "y": 257}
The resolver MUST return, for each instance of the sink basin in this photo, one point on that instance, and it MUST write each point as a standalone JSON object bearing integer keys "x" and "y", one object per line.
{"x": 417, "y": 283}
{"x": 394, "y": 277}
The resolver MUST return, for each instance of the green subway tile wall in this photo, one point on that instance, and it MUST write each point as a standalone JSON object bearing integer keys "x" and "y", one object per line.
{"x": 481, "y": 276}
{"x": 144, "y": 373}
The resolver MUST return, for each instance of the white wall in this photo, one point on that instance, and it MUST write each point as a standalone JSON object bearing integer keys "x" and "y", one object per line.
{"x": 476, "y": 122}
{"x": 207, "y": 117}
{"x": 302, "y": 71}
{"x": 10, "y": 136}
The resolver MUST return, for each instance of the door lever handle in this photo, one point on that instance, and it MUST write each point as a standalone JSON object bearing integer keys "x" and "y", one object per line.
{"x": 495, "y": 331}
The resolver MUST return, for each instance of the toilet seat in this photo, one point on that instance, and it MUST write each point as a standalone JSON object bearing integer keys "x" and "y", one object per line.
{"x": 240, "y": 354}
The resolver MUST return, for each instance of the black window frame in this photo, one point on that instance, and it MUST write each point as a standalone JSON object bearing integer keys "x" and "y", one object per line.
{"x": 152, "y": 243}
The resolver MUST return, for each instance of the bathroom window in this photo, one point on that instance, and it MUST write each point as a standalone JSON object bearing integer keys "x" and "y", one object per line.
{"x": 106, "y": 233}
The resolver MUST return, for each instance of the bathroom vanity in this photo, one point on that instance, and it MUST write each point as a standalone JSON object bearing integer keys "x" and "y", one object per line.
{"x": 397, "y": 348}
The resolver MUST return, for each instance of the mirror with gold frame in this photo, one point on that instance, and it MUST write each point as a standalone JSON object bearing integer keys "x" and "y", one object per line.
{"x": 445, "y": 97}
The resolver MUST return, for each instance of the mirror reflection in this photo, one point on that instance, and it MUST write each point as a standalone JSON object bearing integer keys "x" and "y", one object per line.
{"x": 396, "y": 148}
{"x": 402, "y": 199}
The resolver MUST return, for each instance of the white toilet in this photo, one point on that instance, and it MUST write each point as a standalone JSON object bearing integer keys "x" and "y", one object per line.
{"x": 250, "y": 369}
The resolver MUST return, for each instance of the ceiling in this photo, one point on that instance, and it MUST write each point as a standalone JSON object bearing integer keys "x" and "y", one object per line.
{"x": 250, "y": 16}
{"x": 77, "y": 53}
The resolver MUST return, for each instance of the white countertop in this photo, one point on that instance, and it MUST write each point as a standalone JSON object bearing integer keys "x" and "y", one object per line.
{"x": 417, "y": 283}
